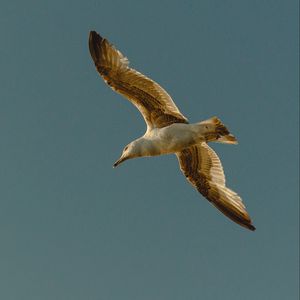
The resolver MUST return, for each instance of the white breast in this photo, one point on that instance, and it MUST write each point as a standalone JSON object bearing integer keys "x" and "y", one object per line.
{"x": 171, "y": 139}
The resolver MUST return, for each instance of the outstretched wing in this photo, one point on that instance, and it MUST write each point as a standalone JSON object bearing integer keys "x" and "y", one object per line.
{"x": 202, "y": 167}
{"x": 154, "y": 103}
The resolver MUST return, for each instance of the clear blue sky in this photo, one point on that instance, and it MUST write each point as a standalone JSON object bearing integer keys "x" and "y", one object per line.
{"x": 72, "y": 227}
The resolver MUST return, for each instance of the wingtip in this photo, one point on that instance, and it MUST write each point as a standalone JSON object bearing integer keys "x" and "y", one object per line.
{"x": 251, "y": 227}
{"x": 92, "y": 33}
{"x": 246, "y": 224}
{"x": 94, "y": 36}
{"x": 94, "y": 44}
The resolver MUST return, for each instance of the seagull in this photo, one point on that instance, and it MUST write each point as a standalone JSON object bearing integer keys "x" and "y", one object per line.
{"x": 169, "y": 132}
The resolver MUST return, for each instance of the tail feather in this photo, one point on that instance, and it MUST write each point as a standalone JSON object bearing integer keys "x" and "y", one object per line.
{"x": 219, "y": 126}
{"x": 227, "y": 139}
{"x": 216, "y": 131}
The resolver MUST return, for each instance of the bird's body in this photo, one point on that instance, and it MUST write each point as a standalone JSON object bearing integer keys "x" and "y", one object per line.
{"x": 175, "y": 137}
{"x": 171, "y": 139}
{"x": 168, "y": 131}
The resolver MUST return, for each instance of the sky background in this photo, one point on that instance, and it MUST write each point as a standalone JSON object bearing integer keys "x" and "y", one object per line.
{"x": 72, "y": 227}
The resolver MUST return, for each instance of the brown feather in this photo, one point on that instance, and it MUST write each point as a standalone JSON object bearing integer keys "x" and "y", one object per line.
{"x": 203, "y": 169}
{"x": 154, "y": 103}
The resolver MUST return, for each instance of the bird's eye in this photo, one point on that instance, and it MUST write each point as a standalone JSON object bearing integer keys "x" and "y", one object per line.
{"x": 125, "y": 148}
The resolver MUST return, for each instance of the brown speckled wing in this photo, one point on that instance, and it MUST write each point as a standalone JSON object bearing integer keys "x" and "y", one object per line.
{"x": 154, "y": 103}
{"x": 203, "y": 169}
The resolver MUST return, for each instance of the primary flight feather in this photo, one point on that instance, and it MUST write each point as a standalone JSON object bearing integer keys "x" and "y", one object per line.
{"x": 168, "y": 131}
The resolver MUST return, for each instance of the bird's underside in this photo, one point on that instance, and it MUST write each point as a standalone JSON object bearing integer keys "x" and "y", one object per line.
{"x": 199, "y": 163}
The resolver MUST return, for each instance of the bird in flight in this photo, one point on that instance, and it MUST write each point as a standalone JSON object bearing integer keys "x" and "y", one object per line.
{"x": 168, "y": 131}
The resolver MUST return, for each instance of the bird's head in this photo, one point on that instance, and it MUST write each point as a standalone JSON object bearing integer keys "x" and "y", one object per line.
{"x": 132, "y": 150}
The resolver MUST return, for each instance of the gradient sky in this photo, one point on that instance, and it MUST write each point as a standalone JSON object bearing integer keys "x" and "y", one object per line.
{"x": 72, "y": 227}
